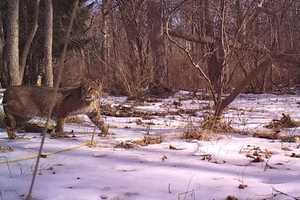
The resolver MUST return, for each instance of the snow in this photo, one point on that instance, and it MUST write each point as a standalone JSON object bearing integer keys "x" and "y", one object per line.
{"x": 75, "y": 171}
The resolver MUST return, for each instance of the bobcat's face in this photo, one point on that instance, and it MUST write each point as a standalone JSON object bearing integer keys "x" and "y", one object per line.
{"x": 91, "y": 90}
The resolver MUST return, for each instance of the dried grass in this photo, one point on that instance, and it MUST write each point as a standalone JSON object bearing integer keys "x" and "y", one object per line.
{"x": 198, "y": 134}
{"x": 216, "y": 125}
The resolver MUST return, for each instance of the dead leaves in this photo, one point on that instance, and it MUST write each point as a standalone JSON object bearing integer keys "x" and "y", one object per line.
{"x": 256, "y": 154}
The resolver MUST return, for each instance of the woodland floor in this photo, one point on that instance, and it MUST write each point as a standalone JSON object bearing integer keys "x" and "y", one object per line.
{"x": 122, "y": 167}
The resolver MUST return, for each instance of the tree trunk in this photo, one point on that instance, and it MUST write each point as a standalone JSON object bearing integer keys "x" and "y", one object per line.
{"x": 242, "y": 85}
{"x": 105, "y": 48}
{"x": 105, "y": 44}
{"x": 29, "y": 39}
{"x": 157, "y": 42}
{"x": 12, "y": 42}
{"x": 48, "y": 77}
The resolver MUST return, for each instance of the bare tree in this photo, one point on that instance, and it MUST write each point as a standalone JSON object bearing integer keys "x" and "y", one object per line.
{"x": 12, "y": 42}
{"x": 29, "y": 39}
{"x": 48, "y": 78}
{"x": 136, "y": 71}
{"x": 158, "y": 44}
{"x": 223, "y": 42}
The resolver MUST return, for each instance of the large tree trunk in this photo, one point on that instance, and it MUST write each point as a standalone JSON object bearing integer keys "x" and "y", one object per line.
{"x": 12, "y": 42}
{"x": 48, "y": 77}
{"x": 157, "y": 41}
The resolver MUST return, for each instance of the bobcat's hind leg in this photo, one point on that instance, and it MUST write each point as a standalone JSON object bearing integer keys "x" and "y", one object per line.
{"x": 96, "y": 118}
{"x": 11, "y": 125}
{"x": 59, "y": 129}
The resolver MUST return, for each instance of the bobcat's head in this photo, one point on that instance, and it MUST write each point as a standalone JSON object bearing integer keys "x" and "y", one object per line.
{"x": 91, "y": 90}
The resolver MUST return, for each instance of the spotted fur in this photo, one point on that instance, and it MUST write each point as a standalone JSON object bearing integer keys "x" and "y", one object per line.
{"x": 21, "y": 103}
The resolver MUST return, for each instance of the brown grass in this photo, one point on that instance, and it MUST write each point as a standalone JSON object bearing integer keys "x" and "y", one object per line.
{"x": 198, "y": 134}
{"x": 216, "y": 125}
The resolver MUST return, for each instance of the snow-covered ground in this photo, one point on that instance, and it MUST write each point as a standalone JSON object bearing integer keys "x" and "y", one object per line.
{"x": 175, "y": 169}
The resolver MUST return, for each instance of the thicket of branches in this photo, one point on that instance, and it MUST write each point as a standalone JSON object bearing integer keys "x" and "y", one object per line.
{"x": 151, "y": 46}
{"x": 227, "y": 39}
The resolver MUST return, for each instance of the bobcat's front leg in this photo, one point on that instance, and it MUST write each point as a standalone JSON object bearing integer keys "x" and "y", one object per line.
{"x": 96, "y": 118}
{"x": 59, "y": 129}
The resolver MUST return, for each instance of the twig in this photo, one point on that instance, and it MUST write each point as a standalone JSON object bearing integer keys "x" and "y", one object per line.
{"x": 285, "y": 194}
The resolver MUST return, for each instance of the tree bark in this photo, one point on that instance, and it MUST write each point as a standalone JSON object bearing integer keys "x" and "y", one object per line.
{"x": 12, "y": 42}
{"x": 1, "y": 48}
{"x": 48, "y": 76}
{"x": 105, "y": 30}
{"x": 157, "y": 42}
{"x": 243, "y": 84}
{"x": 29, "y": 40}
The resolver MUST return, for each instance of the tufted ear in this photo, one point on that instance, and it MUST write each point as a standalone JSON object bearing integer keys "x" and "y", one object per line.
{"x": 99, "y": 83}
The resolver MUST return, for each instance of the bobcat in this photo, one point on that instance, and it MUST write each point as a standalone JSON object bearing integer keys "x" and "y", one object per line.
{"x": 21, "y": 103}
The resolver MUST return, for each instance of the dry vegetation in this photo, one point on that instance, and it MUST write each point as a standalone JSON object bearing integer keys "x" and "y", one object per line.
{"x": 284, "y": 122}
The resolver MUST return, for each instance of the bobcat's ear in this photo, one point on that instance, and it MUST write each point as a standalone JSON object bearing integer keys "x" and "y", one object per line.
{"x": 99, "y": 83}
